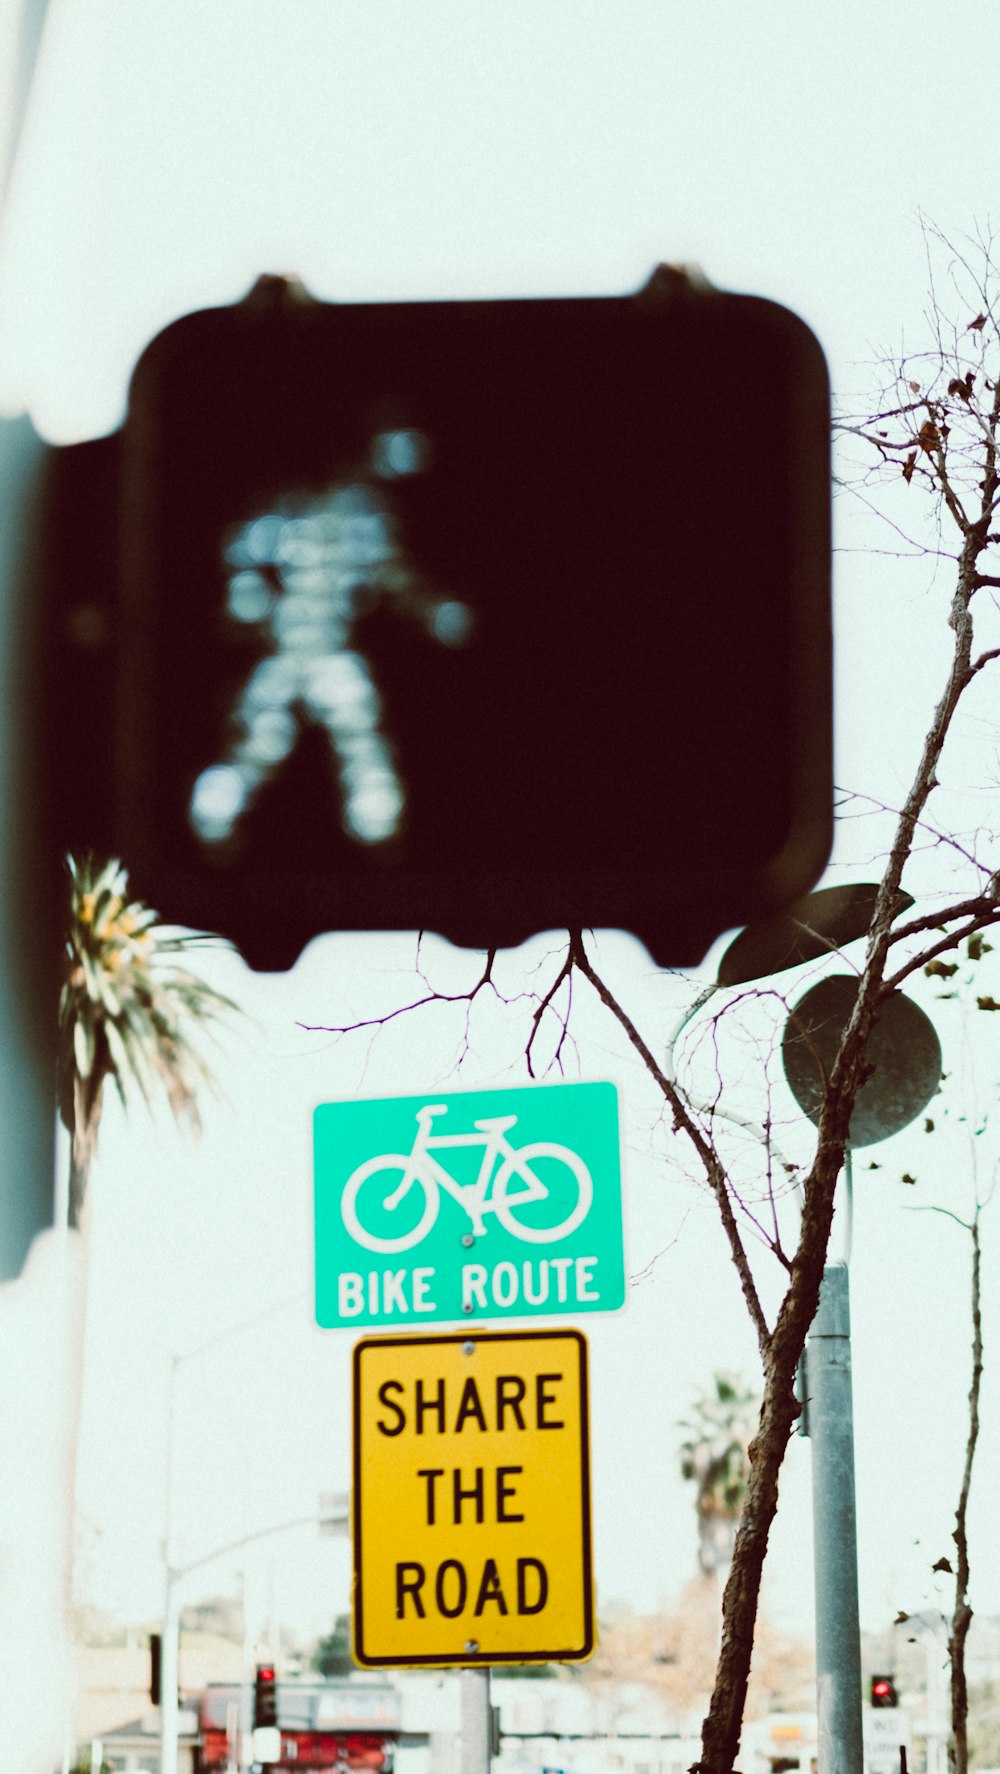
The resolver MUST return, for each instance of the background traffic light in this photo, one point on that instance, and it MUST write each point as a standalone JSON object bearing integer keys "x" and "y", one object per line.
{"x": 265, "y": 1696}
{"x": 883, "y": 1691}
{"x": 482, "y": 617}
{"x": 155, "y": 1665}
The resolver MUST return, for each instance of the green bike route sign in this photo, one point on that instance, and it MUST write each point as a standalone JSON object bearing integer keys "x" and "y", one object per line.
{"x": 476, "y": 1204}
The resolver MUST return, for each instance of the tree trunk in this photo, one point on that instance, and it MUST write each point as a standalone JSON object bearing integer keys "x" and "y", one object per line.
{"x": 961, "y": 1620}
{"x": 79, "y": 1178}
{"x": 779, "y": 1411}
{"x": 722, "y": 1727}
{"x": 81, "y": 1116}
{"x": 78, "y": 1282}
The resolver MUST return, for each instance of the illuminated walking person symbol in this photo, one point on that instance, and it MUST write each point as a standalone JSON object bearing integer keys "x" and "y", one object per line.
{"x": 304, "y": 574}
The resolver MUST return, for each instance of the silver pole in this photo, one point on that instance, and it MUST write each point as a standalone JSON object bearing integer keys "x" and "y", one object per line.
{"x": 169, "y": 1662}
{"x": 475, "y": 1721}
{"x": 831, "y": 1430}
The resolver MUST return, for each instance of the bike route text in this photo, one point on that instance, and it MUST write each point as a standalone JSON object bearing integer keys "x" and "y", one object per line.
{"x": 532, "y": 1282}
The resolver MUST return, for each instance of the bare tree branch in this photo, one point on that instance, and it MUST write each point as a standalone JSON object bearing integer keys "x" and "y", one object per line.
{"x": 685, "y": 1123}
{"x": 980, "y": 905}
{"x": 564, "y": 975}
{"x": 430, "y": 997}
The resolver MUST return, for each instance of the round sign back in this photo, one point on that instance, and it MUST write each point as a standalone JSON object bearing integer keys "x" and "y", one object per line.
{"x": 903, "y": 1048}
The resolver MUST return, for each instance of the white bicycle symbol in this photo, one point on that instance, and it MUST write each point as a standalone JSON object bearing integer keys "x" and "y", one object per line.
{"x": 503, "y": 1165}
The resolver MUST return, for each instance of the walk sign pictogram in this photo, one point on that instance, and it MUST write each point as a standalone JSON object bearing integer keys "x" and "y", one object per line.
{"x": 292, "y": 578}
{"x": 489, "y": 1203}
{"x": 471, "y": 1503}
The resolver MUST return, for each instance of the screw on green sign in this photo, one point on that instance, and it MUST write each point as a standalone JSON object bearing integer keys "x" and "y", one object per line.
{"x": 482, "y": 1203}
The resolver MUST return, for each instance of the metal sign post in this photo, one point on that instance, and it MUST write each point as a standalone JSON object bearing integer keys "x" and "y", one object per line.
{"x": 475, "y": 1721}
{"x": 905, "y": 1055}
{"x": 831, "y": 1427}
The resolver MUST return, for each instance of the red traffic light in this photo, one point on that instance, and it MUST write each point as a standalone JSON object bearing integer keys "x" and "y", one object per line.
{"x": 883, "y": 1691}
{"x": 265, "y": 1696}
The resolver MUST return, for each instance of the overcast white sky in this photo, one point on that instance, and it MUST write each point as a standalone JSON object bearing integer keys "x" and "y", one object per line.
{"x": 384, "y": 150}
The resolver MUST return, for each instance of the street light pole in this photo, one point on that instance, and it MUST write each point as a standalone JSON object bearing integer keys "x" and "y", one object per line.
{"x": 170, "y": 1637}
{"x": 169, "y": 1660}
{"x": 170, "y": 1650}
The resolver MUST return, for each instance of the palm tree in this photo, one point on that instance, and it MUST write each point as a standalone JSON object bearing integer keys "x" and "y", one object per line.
{"x": 126, "y": 1011}
{"x": 714, "y": 1455}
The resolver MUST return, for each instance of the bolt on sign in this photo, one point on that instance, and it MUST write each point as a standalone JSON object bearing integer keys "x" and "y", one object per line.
{"x": 493, "y": 1203}
{"x": 471, "y": 1502}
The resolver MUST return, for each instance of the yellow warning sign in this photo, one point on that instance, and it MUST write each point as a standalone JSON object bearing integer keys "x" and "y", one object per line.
{"x": 471, "y": 1504}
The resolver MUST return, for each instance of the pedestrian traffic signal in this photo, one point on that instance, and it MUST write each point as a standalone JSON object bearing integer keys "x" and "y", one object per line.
{"x": 883, "y": 1691}
{"x": 265, "y": 1696}
{"x": 482, "y": 617}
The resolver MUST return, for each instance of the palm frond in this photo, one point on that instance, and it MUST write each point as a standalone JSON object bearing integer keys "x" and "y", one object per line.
{"x": 130, "y": 1008}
